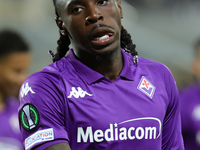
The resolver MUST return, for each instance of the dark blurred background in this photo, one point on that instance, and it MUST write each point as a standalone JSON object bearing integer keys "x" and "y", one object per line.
{"x": 163, "y": 30}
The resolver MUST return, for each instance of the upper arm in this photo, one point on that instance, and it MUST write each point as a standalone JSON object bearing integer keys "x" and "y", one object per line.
{"x": 59, "y": 146}
{"x": 42, "y": 93}
{"x": 172, "y": 137}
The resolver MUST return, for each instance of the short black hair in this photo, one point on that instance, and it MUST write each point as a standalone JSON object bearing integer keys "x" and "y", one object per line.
{"x": 11, "y": 41}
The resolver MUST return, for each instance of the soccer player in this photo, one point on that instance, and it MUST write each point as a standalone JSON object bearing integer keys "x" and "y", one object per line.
{"x": 101, "y": 95}
{"x": 190, "y": 107}
{"x": 14, "y": 62}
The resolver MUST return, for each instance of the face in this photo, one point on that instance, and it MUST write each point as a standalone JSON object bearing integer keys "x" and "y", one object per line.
{"x": 93, "y": 26}
{"x": 13, "y": 71}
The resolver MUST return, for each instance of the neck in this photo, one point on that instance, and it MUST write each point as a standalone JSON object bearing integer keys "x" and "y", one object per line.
{"x": 108, "y": 64}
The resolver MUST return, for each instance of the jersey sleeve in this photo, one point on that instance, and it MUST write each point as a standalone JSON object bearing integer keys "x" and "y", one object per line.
{"x": 172, "y": 137}
{"x": 41, "y": 111}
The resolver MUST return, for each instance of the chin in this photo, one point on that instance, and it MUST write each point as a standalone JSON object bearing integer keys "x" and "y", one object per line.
{"x": 108, "y": 47}
{"x": 107, "y": 52}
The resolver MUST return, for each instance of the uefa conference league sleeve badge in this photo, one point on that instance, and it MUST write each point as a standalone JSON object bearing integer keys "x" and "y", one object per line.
{"x": 29, "y": 117}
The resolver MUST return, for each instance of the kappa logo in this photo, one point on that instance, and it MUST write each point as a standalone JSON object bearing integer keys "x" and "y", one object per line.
{"x": 78, "y": 93}
{"x": 25, "y": 89}
{"x": 146, "y": 87}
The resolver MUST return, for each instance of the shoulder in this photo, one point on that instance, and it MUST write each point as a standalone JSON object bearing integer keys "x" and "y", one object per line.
{"x": 49, "y": 79}
{"x": 51, "y": 72}
{"x": 154, "y": 67}
{"x": 160, "y": 75}
{"x": 46, "y": 81}
{"x": 43, "y": 87}
{"x": 152, "y": 64}
{"x": 43, "y": 77}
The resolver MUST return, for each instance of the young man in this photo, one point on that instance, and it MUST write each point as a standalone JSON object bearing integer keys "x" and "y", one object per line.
{"x": 99, "y": 97}
{"x": 190, "y": 107}
{"x": 14, "y": 62}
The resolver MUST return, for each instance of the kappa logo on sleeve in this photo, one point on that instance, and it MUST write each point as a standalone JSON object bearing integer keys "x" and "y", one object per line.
{"x": 29, "y": 117}
{"x": 25, "y": 89}
{"x": 146, "y": 87}
{"x": 39, "y": 136}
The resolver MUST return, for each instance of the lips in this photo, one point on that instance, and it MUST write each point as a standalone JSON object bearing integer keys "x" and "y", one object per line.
{"x": 101, "y": 36}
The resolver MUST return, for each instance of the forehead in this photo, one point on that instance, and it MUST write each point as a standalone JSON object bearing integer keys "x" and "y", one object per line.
{"x": 62, "y": 5}
{"x": 69, "y": 2}
{"x": 16, "y": 57}
{"x": 65, "y": 3}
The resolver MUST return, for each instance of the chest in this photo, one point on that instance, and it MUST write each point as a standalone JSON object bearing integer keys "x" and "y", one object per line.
{"x": 116, "y": 105}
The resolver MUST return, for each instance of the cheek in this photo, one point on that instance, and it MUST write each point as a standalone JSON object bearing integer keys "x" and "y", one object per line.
{"x": 6, "y": 81}
{"x": 78, "y": 32}
{"x": 75, "y": 25}
{"x": 10, "y": 76}
{"x": 112, "y": 16}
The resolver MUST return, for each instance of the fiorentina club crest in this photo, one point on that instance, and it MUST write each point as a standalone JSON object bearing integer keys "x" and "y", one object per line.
{"x": 146, "y": 87}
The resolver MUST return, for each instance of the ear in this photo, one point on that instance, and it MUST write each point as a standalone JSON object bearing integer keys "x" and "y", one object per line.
{"x": 120, "y": 7}
{"x": 60, "y": 25}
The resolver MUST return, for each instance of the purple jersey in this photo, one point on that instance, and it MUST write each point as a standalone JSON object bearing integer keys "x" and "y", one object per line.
{"x": 69, "y": 102}
{"x": 10, "y": 138}
{"x": 190, "y": 113}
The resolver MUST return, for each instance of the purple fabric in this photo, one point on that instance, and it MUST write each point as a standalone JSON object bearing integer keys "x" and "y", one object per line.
{"x": 139, "y": 110}
{"x": 190, "y": 116}
{"x": 10, "y": 138}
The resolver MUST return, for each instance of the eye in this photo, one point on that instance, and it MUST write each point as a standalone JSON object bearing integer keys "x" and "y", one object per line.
{"x": 77, "y": 10}
{"x": 103, "y": 2}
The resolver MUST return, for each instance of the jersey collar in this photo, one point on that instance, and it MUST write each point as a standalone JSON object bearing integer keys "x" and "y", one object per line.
{"x": 91, "y": 76}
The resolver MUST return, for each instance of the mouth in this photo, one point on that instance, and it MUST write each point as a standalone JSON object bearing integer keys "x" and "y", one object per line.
{"x": 101, "y": 36}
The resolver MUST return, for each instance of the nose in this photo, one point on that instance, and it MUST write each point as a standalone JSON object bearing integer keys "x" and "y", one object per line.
{"x": 94, "y": 16}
